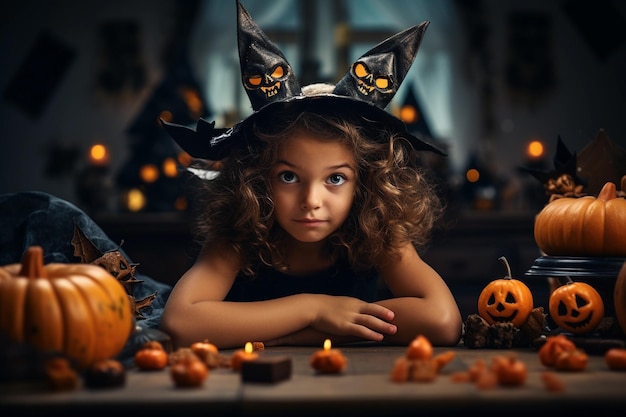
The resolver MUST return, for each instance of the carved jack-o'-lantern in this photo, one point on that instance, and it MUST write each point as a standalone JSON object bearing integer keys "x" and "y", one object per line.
{"x": 505, "y": 300}
{"x": 576, "y": 307}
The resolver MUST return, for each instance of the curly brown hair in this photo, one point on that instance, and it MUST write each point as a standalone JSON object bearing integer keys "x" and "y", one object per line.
{"x": 394, "y": 200}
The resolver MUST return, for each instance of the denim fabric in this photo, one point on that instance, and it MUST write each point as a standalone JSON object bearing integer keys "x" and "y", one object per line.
{"x": 38, "y": 218}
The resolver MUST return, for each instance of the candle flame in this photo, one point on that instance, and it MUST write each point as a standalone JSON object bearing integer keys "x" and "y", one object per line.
{"x": 327, "y": 344}
{"x": 248, "y": 347}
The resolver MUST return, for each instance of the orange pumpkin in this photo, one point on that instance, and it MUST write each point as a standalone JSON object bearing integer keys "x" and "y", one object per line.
{"x": 505, "y": 300}
{"x": 619, "y": 298}
{"x": 77, "y": 309}
{"x": 576, "y": 307}
{"x": 585, "y": 226}
{"x": 151, "y": 356}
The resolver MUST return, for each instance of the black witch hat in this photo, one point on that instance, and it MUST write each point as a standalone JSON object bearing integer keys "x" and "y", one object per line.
{"x": 564, "y": 164}
{"x": 366, "y": 89}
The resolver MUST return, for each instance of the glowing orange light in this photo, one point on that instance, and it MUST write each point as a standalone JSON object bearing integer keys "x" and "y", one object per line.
{"x": 248, "y": 347}
{"x": 169, "y": 167}
{"x": 135, "y": 200}
{"x": 535, "y": 149}
{"x": 166, "y": 115}
{"x": 327, "y": 344}
{"x": 99, "y": 155}
{"x": 193, "y": 102}
{"x": 184, "y": 159}
{"x": 472, "y": 175}
{"x": 180, "y": 203}
{"x": 408, "y": 114}
{"x": 149, "y": 173}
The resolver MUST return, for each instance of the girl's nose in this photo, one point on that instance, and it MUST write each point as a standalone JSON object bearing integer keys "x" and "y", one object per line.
{"x": 311, "y": 198}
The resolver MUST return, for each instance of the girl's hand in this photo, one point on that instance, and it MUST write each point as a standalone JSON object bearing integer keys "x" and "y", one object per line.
{"x": 348, "y": 316}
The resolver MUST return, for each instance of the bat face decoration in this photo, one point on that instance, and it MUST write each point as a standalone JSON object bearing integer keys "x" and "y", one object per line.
{"x": 269, "y": 84}
{"x": 368, "y": 82}
{"x": 269, "y": 81}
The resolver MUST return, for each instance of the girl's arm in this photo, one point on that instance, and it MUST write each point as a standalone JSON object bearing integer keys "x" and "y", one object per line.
{"x": 196, "y": 310}
{"x": 422, "y": 303}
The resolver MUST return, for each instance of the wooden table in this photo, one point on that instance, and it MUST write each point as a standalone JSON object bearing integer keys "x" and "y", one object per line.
{"x": 364, "y": 389}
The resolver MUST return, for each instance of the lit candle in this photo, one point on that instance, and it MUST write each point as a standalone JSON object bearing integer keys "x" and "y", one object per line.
{"x": 242, "y": 355}
{"x": 327, "y": 360}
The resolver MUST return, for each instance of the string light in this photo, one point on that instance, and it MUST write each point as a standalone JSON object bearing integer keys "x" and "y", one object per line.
{"x": 472, "y": 175}
{"x": 169, "y": 167}
{"x": 149, "y": 173}
{"x": 135, "y": 200}
{"x": 99, "y": 155}
{"x": 535, "y": 149}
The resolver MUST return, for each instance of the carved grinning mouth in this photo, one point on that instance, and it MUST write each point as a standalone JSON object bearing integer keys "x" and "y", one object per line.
{"x": 503, "y": 318}
{"x": 579, "y": 324}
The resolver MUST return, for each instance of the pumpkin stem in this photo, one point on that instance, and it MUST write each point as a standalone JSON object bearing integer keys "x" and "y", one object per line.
{"x": 508, "y": 268}
{"x": 608, "y": 192}
{"x": 32, "y": 263}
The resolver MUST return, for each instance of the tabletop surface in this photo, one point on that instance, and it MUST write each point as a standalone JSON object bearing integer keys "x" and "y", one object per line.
{"x": 364, "y": 388}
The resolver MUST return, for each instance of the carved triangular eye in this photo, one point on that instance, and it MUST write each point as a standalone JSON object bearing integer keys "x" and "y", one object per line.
{"x": 491, "y": 300}
{"x": 510, "y": 298}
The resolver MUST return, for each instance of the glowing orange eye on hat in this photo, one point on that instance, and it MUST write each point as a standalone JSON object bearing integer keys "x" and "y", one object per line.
{"x": 255, "y": 80}
{"x": 360, "y": 70}
{"x": 382, "y": 83}
{"x": 278, "y": 72}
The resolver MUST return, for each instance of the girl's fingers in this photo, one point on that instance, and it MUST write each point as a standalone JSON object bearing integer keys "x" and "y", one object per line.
{"x": 379, "y": 311}
{"x": 376, "y": 324}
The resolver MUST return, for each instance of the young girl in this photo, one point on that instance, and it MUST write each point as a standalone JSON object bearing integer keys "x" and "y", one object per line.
{"x": 319, "y": 199}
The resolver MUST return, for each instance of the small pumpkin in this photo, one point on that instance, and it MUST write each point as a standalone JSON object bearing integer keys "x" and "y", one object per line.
{"x": 419, "y": 348}
{"x": 584, "y": 226}
{"x": 151, "y": 356}
{"x": 615, "y": 358}
{"x": 80, "y": 310}
{"x": 189, "y": 372}
{"x": 576, "y": 307}
{"x": 505, "y": 300}
{"x": 204, "y": 349}
{"x": 572, "y": 360}
{"x": 553, "y": 347}
{"x": 510, "y": 370}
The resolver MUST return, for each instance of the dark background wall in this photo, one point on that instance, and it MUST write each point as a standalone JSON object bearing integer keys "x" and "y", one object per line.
{"x": 75, "y": 73}
{"x": 523, "y": 70}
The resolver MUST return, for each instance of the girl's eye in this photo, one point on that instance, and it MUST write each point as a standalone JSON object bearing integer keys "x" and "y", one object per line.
{"x": 288, "y": 177}
{"x": 336, "y": 179}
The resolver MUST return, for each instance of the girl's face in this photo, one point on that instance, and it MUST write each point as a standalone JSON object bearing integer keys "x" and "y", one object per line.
{"x": 313, "y": 184}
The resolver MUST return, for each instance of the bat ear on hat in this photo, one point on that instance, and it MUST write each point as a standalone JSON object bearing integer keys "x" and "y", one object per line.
{"x": 376, "y": 76}
{"x": 265, "y": 72}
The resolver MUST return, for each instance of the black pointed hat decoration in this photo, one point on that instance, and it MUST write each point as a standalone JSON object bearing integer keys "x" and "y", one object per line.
{"x": 270, "y": 83}
{"x": 565, "y": 164}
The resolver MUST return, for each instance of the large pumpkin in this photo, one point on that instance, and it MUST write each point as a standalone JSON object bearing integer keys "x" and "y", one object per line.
{"x": 576, "y": 307}
{"x": 505, "y": 300}
{"x": 585, "y": 226}
{"x": 79, "y": 310}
